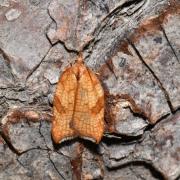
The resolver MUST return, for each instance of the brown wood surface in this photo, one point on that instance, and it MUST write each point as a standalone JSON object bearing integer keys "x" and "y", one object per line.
{"x": 133, "y": 48}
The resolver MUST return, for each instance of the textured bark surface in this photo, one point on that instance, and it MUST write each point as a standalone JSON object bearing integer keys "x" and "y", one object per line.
{"x": 134, "y": 48}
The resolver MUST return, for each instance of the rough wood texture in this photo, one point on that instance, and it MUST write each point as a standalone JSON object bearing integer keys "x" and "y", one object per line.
{"x": 134, "y": 48}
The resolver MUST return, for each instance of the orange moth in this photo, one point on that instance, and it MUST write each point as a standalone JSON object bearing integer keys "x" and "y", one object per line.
{"x": 78, "y": 106}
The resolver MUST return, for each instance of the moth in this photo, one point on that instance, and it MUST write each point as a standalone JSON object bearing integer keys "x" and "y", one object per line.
{"x": 78, "y": 105}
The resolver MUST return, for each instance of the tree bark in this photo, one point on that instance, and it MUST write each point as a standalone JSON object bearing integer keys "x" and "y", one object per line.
{"x": 134, "y": 48}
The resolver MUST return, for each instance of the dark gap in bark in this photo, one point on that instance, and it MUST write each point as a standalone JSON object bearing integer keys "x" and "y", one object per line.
{"x": 122, "y": 6}
{"x": 123, "y": 139}
{"x": 154, "y": 75}
{"x": 8, "y": 61}
{"x": 151, "y": 126}
{"x": 49, "y": 156}
{"x": 155, "y": 173}
{"x": 169, "y": 43}
{"x": 37, "y": 66}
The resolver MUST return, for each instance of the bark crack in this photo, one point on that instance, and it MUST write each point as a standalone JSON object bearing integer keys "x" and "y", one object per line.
{"x": 37, "y": 66}
{"x": 116, "y": 11}
{"x": 147, "y": 165}
{"x": 104, "y": 22}
{"x": 50, "y": 150}
{"x": 169, "y": 43}
{"x": 40, "y": 125}
{"x": 16, "y": 151}
{"x": 7, "y": 58}
{"x": 154, "y": 75}
{"x": 52, "y": 162}
{"x": 59, "y": 41}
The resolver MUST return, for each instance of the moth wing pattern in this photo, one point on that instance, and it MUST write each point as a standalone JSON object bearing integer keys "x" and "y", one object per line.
{"x": 88, "y": 119}
{"x": 63, "y": 107}
{"x": 78, "y": 105}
